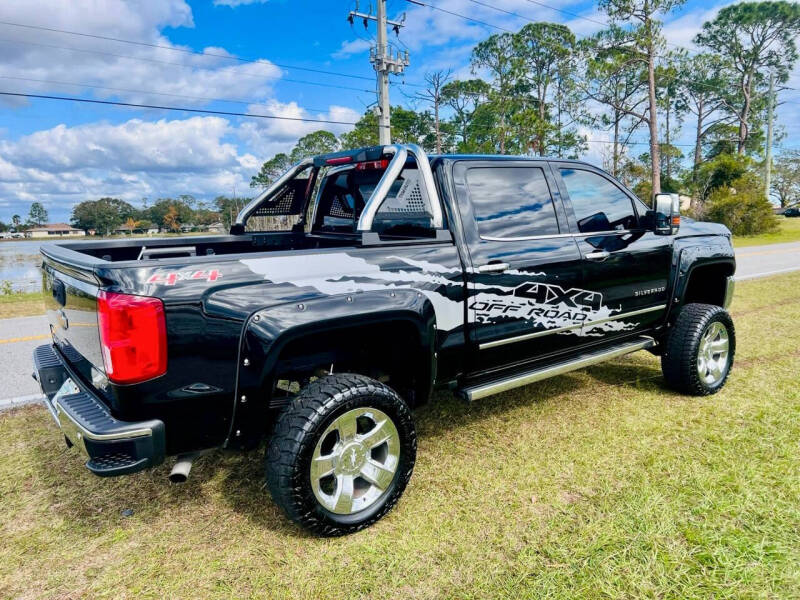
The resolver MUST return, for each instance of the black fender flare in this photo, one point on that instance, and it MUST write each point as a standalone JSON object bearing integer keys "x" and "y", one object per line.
{"x": 267, "y": 331}
{"x": 687, "y": 258}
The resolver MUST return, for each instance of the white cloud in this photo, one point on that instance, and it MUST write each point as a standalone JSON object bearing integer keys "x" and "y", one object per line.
{"x": 65, "y": 165}
{"x": 266, "y": 137}
{"x": 203, "y": 156}
{"x": 351, "y": 47}
{"x": 161, "y": 74}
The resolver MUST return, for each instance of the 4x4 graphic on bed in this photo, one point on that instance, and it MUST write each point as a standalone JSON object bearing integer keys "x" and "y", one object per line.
{"x": 349, "y": 290}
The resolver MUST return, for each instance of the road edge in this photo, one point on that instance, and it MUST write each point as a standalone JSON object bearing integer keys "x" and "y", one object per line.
{"x": 9, "y": 403}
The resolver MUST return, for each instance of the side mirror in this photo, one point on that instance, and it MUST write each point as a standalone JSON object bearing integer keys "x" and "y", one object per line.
{"x": 667, "y": 213}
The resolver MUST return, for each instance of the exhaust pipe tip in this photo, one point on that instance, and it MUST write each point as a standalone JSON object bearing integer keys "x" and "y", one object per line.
{"x": 180, "y": 472}
{"x": 178, "y": 477}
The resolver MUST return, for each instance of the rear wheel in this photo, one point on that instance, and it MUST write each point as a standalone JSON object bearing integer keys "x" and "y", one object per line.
{"x": 341, "y": 454}
{"x": 699, "y": 350}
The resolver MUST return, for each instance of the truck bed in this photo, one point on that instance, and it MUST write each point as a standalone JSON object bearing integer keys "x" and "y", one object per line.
{"x": 99, "y": 253}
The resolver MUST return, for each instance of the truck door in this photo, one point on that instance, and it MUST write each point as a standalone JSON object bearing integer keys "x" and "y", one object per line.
{"x": 627, "y": 265}
{"x": 524, "y": 267}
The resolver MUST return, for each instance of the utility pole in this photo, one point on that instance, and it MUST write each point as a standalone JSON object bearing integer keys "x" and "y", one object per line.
{"x": 384, "y": 63}
{"x": 770, "y": 109}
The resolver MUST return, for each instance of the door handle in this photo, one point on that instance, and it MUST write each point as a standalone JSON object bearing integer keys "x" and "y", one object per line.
{"x": 598, "y": 256}
{"x": 493, "y": 268}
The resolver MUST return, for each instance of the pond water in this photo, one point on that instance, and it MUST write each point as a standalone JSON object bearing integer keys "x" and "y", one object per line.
{"x": 19, "y": 264}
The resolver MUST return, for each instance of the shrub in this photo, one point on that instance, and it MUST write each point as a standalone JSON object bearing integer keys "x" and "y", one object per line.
{"x": 741, "y": 207}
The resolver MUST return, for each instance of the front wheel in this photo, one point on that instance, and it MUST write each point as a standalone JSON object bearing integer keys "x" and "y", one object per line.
{"x": 341, "y": 454}
{"x": 699, "y": 350}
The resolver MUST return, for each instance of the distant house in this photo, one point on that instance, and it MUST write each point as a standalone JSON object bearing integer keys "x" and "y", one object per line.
{"x": 217, "y": 227}
{"x": 126, "y": 230}
{"x": 50, "y": 229}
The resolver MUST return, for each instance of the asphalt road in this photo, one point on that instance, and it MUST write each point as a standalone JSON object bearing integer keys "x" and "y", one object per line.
{"x": 18, "y": 337}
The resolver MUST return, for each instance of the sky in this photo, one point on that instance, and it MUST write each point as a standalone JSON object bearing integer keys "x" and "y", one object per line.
{"x": 299, "y": 59}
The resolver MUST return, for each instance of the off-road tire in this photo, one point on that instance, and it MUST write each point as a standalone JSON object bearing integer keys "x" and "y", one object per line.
{"x": 680, "y": 353}
{"x": 297, "y": 432}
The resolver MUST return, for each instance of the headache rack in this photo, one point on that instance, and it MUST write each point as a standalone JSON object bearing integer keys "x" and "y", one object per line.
{"x": 287, "y": 194}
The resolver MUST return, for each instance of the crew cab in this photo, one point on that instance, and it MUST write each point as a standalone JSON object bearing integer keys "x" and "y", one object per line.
{"x": 348, "y": 291}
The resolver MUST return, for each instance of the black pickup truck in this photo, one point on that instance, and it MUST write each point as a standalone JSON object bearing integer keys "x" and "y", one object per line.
{"x": 350, "y": 289}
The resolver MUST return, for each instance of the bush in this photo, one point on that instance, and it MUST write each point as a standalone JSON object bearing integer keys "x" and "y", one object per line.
{"x": 741, "y": 207}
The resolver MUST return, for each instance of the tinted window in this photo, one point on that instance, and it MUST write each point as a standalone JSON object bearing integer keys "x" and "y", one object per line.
{"x": 599, "y": 205}
{"x": 511, "y": 202}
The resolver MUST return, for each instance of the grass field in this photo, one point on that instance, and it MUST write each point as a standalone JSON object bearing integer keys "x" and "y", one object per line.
{"x": 21, "y": 305}
{"x": 596, "y": 484}
{"x": 789, "y": 231}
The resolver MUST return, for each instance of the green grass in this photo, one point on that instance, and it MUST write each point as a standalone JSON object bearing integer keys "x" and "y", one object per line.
{"x": 788, "y": 231}
{"x": 21, "y": 304}
{"x": 597, "y": 484}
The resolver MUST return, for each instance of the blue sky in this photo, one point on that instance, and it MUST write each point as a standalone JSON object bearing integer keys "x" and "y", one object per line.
{"x": 61, "y": 153}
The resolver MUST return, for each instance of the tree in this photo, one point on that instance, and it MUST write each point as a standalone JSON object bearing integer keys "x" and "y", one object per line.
{"x": 757, "y": 38}
{"x": 318, "y": 142}
{"x": 742, "y": 207}
{"x": 720, "y": 171}
{"x": 464, "y": 97}
{"x": 3, "y": 226}
{"x": 432, "y": 94}
{"x": 364, "y": 132}
{"x": 102, "y": 215}
{"x": 271, "y": 170}
{"x": 16, "y": 221}
{"x": 496, "y": 56}
{"x": 700, "y": 86}
{"x": 37, "y": 214}
{"x": 786, "y": 178}
{"x": 615, "y": 79}
{"x": 670, "y": 100}
{"x": 645, "y": 41}
{"x": 228, "y": 209}
{"x": 180, "y": 213}
{"x": 411, "y": 127}
{"x": 544, "y": 54}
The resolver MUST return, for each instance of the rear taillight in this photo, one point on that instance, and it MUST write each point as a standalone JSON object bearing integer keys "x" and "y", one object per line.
{"x": 133, "y": 336}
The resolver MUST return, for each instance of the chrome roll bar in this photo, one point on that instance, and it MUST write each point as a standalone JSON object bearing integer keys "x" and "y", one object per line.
{"x": 400, "y": 154}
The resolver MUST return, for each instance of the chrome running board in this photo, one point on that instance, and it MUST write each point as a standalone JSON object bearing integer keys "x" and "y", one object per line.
{"x": 477, "y": 392}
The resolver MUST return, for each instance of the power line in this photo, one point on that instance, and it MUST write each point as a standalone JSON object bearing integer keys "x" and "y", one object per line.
{"x": 184, "y": 66}
{"x": 236, "y": 114}
{"x": 184, "y": 50}
{"x": 568, "y": 13}
{"x": 149, "y": 92}
{"x": 176, "y": 108}
{"x": 455, "y": 14}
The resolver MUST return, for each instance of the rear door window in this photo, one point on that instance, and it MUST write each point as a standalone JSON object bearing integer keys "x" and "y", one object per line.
{"x": 511, "y": 202}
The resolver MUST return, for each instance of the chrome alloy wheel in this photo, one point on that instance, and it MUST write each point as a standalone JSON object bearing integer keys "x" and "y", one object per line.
{"x": 355, "y": 460}
{"x": 713, "y": 354}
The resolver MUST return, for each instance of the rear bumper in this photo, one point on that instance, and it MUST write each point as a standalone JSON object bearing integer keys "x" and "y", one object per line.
{"x": 112, "y": 447}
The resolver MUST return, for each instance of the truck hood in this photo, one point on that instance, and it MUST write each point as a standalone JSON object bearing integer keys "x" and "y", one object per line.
{"x": 691, "y": 227}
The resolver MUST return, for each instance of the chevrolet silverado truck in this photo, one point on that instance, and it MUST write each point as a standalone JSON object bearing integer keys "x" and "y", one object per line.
{"x": 347, "y": 292}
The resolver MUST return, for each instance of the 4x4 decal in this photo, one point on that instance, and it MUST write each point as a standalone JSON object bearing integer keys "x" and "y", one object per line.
{"x": 545, "y": 293}
{"x": 548, "y": 306}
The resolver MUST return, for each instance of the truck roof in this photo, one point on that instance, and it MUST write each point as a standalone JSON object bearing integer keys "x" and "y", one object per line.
{"x": 375, "y": 152}
{"x": 505, "y": 157}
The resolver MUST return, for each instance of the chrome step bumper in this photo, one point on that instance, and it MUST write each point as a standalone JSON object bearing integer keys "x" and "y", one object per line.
{"x": 112, "y": 447}
{"x": 476, "y": 392}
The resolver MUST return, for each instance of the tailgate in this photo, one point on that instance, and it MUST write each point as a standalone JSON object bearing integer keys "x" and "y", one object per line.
{"x": 70, "y": 295}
